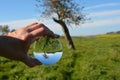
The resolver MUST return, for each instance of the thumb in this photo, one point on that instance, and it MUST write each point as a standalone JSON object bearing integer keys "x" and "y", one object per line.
{"x": 31, "y": 62}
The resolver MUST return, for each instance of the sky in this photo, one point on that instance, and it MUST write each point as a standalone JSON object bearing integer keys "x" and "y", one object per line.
{"x": 104, "y": 14}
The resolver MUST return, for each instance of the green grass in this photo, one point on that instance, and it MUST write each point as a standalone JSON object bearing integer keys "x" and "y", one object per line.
{"x": 95, "y": 58}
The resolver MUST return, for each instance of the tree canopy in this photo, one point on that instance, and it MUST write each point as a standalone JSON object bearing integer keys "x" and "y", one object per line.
{"x": 67, "y": 10}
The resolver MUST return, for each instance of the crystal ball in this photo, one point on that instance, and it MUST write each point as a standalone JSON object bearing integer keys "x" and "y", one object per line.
{"x": 47, "y": 50}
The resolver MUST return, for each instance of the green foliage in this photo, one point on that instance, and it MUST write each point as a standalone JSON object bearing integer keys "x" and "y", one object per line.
{"x": 95, "y": 58}
{"x": 47, "y": 44}
{"x": 4, "y": 29}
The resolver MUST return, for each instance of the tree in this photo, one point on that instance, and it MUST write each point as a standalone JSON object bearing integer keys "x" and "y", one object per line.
{"x": 118, "y": 32}
{"x": 4, "y": 29}
{"x": 67, "y": 12}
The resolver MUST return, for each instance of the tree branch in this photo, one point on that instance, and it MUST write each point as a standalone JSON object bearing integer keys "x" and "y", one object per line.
{"x": 57, "y": 21}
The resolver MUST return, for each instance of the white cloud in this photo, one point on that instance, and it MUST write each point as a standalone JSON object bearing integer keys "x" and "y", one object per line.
{"x": 115, "y": 20}
{"x": 57, "y": 29}
{"x": 19, "y": 23}
{"x": 102, "y": 5}
{"x": 103, "y": 23}
{"x": 105, "y": 13}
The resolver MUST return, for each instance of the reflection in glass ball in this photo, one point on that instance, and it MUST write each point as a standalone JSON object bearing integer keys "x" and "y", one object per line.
{"x": 51, "y": 58}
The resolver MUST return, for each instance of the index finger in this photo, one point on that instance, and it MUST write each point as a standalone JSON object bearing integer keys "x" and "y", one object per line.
{"x": 42, "y": 32}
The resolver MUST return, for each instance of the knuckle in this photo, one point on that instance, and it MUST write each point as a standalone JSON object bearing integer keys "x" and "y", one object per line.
{"x": 41, "y": 25}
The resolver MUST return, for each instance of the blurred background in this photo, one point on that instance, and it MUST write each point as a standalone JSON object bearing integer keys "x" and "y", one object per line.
{"x": 90, "y": 35}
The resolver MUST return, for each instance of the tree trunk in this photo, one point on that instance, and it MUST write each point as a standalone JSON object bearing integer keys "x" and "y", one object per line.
{"x": 66, "y": 34}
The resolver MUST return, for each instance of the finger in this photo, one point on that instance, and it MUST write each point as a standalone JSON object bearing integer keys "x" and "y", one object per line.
{"x": 42, "y": 32}
{"x": 31, "y": 24}
{"x": 31, "y": 62}
{"x": 56, "y": 36}
{"x": 33, "y": 27}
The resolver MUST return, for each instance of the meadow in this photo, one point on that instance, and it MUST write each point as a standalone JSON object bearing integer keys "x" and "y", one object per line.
{"x": 95, "y": 58}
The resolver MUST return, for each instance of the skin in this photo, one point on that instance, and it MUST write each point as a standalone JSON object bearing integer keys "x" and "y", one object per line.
{"x": 15, "y": 45}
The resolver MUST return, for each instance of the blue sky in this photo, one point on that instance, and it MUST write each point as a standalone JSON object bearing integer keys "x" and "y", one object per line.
{"x": 104, "y": 14}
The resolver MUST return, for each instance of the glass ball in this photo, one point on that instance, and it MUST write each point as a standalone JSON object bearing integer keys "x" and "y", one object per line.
{"x": 47, "y": 50}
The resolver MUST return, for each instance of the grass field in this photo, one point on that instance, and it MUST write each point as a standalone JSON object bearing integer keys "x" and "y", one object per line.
{"x": 95, "y": 58}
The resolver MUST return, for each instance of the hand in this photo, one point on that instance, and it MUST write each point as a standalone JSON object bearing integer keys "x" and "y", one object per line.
{"x": 15, "y": 45}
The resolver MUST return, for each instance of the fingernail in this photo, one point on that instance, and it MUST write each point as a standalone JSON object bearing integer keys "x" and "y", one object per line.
{"x": 56, "y": 35}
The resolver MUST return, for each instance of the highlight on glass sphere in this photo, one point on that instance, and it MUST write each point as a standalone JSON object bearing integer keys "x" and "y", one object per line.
{"x": 47, "y": 50}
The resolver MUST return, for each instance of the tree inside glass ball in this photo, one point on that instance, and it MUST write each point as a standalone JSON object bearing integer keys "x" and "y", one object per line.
{"x": 47, "y": 45}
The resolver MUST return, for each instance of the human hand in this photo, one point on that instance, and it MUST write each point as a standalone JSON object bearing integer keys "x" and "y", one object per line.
{"x": 17, "y": 43}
